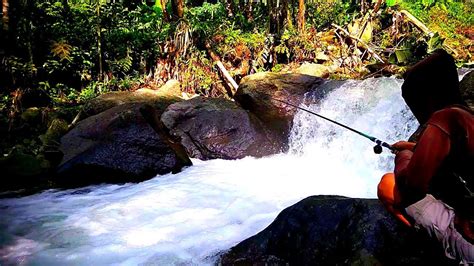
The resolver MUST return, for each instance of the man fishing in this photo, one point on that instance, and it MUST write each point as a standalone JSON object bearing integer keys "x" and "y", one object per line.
{"x": 432, "y": 182}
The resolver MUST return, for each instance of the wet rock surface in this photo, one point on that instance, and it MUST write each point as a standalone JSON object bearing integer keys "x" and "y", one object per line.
{"x": 123, "y": 144}
{"x": 259, "y": 93}
{"x": 334, "y": 230}
{"x": 211, "y": 128}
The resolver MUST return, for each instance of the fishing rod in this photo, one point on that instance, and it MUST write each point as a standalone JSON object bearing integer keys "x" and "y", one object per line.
{"x": 377, "y": 148}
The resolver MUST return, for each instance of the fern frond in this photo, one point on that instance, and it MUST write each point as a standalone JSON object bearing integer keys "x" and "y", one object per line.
{"x": 62, "y": 50}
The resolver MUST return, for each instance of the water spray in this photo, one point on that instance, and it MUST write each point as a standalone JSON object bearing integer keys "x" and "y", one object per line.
{"x": 377, "y": 148}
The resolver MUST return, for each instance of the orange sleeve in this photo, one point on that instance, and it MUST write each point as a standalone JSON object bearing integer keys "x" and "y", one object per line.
{"x": 413, "y": 171}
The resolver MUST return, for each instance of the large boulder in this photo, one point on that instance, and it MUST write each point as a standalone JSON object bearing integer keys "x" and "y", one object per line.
{"x": 333, "y": 230}
{"x": 211, "y": 128}
{"x": 167, "y": 94}
{"x": 259, "y": 93}
{"x": 123, "y": 144}
{"x": 466, "y": 87}
{"x": 316, "y": 70}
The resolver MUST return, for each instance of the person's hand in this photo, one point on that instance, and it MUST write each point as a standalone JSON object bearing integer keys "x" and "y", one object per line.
{"x": 403, "y": 145}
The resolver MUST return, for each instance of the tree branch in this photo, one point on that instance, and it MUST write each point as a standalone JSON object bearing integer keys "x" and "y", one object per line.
{"x": 232, "y": 84}
{"x": 366, "y": 46}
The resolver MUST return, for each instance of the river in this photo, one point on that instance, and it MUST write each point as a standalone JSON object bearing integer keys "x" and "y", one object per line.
{"x": 190, "y": 217}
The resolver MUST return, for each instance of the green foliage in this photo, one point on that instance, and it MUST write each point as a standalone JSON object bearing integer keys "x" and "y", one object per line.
{"x": 449, "y": 18}
{"x": 4, "y": 103}
{"x": 277, "y": 68}
{"x": 125, "y": 83}
{"x": 207, "y": 19}
{"x": 435, "y": 42}
{"x": 59, "y": 93}
{"x": 89, "y": 92}
{"x": 300, "y": 47}
{"x": 122, "y": 65}
{"x": 402, "y": 56}
{"x": 282, "y": 49}
{"x": 390, "y": 2}
{"x": 132, "y": 38}
{"x": 58, "y": 42}
{"x": 427, "y": 3}
{"x": 197, "y": 73}
{"x": 458, "y": 10}
{"x": 19, "y": 68}
{"x": 72, "y": 68}
{"x": 57, "y": 46}
{"x": 252, "y": 40}
{"x": 321, "y": 13}
{"x": 233, "y": 38}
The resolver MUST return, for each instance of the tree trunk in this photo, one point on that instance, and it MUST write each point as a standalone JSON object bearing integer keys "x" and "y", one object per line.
{"x": 5, "y": 27}
{"x": 178, "y": 8}
{"x": 292, "y": 15}
{"x": 301, "y": 12}
{"x": 99, "y": 43}
{"x": 232, "y": 85}
{"x": 229, "y": 6}
{"x": 163, "y": 4}
{"x": 377, "y": 5}
{"x": 249, "y": 11}
{"x": 277, "y": 10}
{"x": 5, "y": 17}
{"x": 66, "y": 7}
{"x": 272, "y": 22}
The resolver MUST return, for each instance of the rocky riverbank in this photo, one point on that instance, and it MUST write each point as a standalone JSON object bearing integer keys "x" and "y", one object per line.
{"x": 133, "y": 136}
{"x": 141, "y": 134}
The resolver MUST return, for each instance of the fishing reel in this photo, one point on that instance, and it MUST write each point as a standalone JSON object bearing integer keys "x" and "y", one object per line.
{"x": 378, "y": 149}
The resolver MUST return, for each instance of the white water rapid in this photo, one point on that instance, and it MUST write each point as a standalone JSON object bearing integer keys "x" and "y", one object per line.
{"x": 188, "y": 218}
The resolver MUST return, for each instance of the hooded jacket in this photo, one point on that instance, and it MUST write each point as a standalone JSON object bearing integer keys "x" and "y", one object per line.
{"x": 443, "y": 158}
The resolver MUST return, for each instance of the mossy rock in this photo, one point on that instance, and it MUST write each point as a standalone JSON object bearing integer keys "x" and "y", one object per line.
{"x": 23, "y": 171}
{"x": 31, "y": 115}
{"x": 160, "y": 99}
{"x": 316, "y": 70}
{"x": 20, "y": 164}
{"x": 56, "y": 130}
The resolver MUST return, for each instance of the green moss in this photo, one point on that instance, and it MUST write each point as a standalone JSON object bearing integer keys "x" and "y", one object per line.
{"x": 31, "y": 115}
{"x": 56, "y": 130}
{"x": 21, "y": 164}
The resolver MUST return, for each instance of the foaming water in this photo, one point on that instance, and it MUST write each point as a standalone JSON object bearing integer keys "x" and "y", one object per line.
{"x": 188, "y": 218}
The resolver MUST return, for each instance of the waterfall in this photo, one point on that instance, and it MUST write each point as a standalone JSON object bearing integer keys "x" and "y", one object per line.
{"x": 189, "y": 217}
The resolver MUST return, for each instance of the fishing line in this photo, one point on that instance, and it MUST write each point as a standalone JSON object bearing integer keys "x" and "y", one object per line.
{"x": 377, "y": 148}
